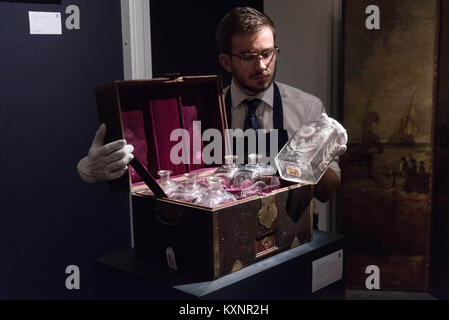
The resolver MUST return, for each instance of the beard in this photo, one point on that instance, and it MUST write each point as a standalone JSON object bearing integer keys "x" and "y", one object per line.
{"x": 252, "y": 89}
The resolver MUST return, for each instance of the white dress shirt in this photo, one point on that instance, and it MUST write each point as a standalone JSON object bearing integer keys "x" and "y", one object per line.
{"x": 299, "y": 108}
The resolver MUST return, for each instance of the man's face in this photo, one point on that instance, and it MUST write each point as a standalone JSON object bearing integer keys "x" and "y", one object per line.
{"x": 256, "y": 76}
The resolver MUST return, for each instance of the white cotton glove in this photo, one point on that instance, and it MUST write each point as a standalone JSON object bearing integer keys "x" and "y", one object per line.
{"x": 342, "y": 138}
{"x": 339, "y": 146}
{"x": 105, "y": 162}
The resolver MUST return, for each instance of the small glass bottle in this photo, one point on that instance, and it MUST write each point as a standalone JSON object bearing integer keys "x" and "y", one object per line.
{"x": 216, "y": 195}
{"x": 254, "y": 189}
{"x": 264, "y": 168}
{"x": 189, "y": 189}
{"x": 272, "y": 182}
{"x": 243, "y": 177}
{"x": 227, "y": 170}
{"x": 254, "y": 162}
{"x": 165, "y": 182}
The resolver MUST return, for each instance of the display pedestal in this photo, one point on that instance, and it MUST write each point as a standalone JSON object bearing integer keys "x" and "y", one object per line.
{"x": 285, "y": 276}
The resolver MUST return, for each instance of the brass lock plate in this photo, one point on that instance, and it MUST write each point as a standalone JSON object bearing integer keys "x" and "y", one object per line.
{"x": 268, "y": 212}
{"x": 266, "y": 244}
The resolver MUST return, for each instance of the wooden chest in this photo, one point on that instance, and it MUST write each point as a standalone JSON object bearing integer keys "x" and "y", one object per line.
{"x": 203, "y": 242}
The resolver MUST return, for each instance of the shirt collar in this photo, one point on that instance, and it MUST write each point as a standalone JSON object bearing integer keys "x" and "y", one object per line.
{"x": 238, "y": 95}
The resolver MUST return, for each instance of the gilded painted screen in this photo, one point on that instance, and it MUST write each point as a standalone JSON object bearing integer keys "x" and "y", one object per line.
{"x": 385, "y": 198}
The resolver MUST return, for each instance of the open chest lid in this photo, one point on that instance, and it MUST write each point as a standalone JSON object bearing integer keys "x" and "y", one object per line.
{"x": 162, "y": 118}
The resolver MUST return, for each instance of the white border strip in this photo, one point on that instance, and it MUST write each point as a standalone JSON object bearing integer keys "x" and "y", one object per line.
{"x": 137, "y": 63}
{"x": 136, "y": 35}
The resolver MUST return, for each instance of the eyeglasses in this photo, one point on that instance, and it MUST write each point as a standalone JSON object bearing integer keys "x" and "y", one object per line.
{"x": 252, "y": 57}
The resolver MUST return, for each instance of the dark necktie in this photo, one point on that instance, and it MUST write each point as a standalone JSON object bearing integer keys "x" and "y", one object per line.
{"x": 251, "y": 120}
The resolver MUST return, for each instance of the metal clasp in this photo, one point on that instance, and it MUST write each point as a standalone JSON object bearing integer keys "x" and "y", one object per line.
{"x": 268, "y": 211}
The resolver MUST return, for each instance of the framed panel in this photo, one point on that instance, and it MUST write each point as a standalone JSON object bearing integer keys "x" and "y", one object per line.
{"x": 439, "y": 271}
{"x": 386, "y": 192}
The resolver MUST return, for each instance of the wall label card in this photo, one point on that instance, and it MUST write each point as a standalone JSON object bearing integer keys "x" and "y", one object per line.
{"x": 45, "y": 22}
{"x": 327, "y": 270}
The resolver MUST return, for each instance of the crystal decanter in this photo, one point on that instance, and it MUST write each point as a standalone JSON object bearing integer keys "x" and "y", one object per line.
{"x": 308, "y": 153}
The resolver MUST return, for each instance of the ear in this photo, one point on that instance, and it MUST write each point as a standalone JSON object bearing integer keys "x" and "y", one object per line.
{"x": 225, "y": 61}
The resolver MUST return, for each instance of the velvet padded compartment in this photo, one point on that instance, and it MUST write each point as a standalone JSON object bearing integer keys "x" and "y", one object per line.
{"x": 133, "y": 124}
{"x": 145, "y": 113}
{"x": 193, "y": 127}
{"x": 203, "y": 95}
{"x": 164, "y": 118}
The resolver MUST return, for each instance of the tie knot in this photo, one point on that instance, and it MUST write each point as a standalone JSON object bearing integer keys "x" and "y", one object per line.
{"x": 252, "y": 105}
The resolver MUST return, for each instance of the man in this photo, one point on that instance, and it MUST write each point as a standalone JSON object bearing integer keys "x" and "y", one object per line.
{"x": 245, "y": 38}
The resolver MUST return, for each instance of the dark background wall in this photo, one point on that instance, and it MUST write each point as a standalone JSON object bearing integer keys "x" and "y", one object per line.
{"x": 49, "y": 218}
{"x": 439, "y": 266}
{"x": 183, "y": 35}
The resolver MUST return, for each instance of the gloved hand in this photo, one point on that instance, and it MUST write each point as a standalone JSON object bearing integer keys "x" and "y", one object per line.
{"x": 342, "y": 139}
{"x": 105, "y": 162}
{"x": 337, "y": 143}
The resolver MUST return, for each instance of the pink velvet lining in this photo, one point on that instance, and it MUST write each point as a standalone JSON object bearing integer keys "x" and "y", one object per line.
{"x": 164, "y": 119}
{"x": 133, "y": 123}
{"x": 150, "y": 114}
{"x": 189, "y": 116}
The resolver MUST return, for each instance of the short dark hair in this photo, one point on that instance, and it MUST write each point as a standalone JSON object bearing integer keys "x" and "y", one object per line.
{"x": 240, "y": 20}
